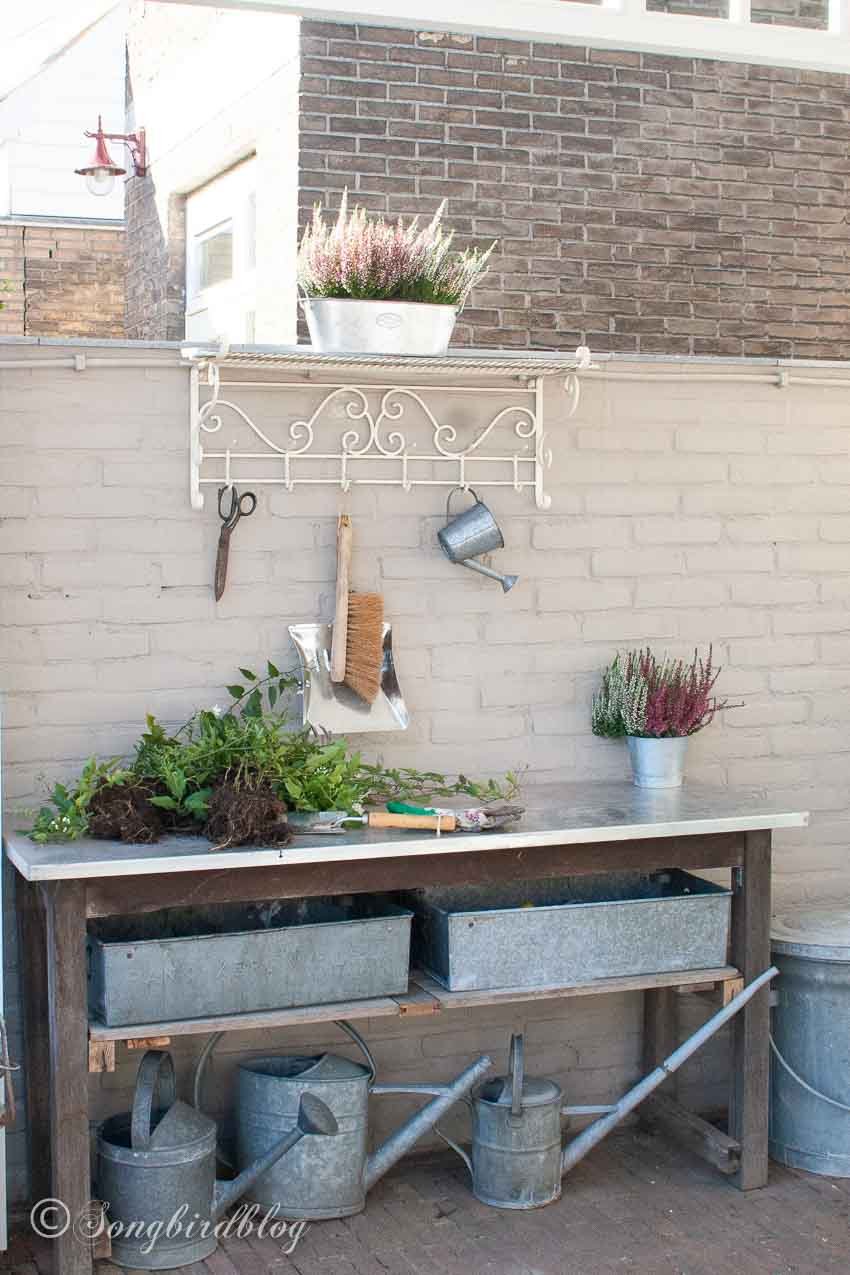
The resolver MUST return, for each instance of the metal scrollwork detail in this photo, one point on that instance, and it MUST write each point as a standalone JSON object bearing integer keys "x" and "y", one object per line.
{"x": 379, "y": 432}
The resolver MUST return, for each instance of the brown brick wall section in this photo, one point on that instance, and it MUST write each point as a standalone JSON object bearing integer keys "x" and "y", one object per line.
{"x": 156, "y": 264}
{"x": 62, "y": 280}
{"x": 642, "y": 203}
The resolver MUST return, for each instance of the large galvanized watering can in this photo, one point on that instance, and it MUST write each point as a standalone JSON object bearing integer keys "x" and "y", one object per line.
{"x": 156, "y": 1170}
{"x": 326, "y": 1178}
{"x": 471, "y": 533}
{"x": 516, "y": 1161}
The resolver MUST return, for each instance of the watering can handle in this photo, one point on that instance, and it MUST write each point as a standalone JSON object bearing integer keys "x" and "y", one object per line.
{"x": 155, "y": 1075}
{"x": 361, "y": 1045}
{"x": 455, "y": 1147}
{"x": 517, "y": 1070}
{"x": 471, "y": 491}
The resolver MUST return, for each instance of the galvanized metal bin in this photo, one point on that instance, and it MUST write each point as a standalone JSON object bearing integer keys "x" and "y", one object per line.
{"x": 560, "y": 933}
{"x": 810, "y": 1041}
{"x": 234, "y": 960}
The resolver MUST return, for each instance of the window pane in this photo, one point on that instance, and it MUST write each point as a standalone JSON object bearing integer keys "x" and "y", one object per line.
{"x": 813, "y": 14}
{"x": 693, "y": 8}
{"x": 215, "y": 258}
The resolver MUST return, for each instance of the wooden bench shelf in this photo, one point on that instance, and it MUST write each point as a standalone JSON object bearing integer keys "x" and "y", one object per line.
{"x": 692, "y": 979}
{"x": 424, "y": 996}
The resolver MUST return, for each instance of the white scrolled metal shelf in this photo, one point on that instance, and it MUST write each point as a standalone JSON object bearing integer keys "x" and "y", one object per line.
{"x": 371, "y": 449}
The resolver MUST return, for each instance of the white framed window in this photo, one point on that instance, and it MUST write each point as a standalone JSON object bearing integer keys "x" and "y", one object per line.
{"x": 221, "y": 257}
{"x": 769, "y": 32}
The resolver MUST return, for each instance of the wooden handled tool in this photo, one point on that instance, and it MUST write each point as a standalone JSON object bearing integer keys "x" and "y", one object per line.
{"x": 385, "y": 819}
{"x": 339, "y": 821}
{"x": 339, "y": 641}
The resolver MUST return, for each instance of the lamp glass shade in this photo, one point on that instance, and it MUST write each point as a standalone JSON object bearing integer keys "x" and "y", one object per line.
{"x": 100, "y": 181}
{"x": 101, "y": 170}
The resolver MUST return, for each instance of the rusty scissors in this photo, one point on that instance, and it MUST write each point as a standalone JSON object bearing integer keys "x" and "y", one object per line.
{"x": 240, "y": 507}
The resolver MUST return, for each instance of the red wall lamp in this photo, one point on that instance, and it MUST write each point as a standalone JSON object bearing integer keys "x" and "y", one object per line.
{"x": 101, "y": 171}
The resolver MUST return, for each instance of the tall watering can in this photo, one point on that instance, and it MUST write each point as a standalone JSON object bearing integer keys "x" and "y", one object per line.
{"x": 516, "y": 1160}
{"x": 328, "y": 1177}
{"x": 156, "y": 1169}
{"x": 473, "y": 532}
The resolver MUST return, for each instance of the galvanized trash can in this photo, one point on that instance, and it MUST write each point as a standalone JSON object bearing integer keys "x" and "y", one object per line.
{"x": 810, "y": 1041}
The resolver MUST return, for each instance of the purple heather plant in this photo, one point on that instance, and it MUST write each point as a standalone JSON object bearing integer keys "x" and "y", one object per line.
{"x": 363, "y": 259}
{"x": 657, "y": 699}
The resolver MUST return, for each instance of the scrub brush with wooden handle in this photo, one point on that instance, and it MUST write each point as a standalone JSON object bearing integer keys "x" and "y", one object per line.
{"x": 357, "y": 645}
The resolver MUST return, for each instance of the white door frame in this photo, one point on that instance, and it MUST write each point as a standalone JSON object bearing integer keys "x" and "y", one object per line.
{"x": 223, "y": 203}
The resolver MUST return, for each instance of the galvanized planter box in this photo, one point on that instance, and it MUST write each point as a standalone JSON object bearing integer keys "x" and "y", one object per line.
{"x": 479, "y": 938}
{"x": 246, "y": 958}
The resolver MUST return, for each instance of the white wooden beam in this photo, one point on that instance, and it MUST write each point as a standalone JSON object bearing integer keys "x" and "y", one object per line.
{"x": 839, "y": 17}
{"x": 623, "y": 24}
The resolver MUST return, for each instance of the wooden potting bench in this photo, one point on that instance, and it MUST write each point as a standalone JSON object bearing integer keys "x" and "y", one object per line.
{"x": 567, "y": 830}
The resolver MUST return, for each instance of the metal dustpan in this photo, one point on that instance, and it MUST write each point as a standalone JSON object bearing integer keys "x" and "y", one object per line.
{"x": 333, "y": 707}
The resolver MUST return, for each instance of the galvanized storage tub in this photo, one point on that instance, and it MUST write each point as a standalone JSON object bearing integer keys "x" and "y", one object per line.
{"x": 234, "y": 960}
{"x": 810, "y": 1041}
{"x": 476, "y": 938}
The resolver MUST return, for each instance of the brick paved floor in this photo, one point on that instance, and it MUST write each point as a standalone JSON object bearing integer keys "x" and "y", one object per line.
{"x": 637, "y": 1204}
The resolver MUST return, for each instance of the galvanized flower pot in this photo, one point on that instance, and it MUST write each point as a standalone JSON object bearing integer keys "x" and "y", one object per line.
{"x": 658, "y": 763}
{"x": 339, "y": 326}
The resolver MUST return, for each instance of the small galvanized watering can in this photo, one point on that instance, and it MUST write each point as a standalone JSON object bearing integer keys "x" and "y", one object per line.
{"x": 517, "y": 1161}
{"x": 156, "y": 1169}
{"x": 327, "y": 1178}
{"x": 516, "y": 1138}
{"x": 473, "y": 532}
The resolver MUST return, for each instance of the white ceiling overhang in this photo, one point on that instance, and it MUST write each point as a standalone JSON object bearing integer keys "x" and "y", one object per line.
{"x": 613, "y": 24}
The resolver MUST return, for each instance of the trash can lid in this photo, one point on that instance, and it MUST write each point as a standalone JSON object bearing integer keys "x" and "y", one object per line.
{"x": 818, "y": 931}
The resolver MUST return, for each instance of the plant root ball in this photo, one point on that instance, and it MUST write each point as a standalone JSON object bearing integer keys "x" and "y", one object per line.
{"x": 246, "y": 816}
{"x": 122, "y": 812}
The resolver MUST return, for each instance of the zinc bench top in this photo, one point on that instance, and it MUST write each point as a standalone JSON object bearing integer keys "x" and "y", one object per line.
{"x": 556, "y": 815}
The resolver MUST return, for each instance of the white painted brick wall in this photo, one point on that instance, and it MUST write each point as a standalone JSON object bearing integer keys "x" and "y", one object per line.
{"x": 678, "y": 516}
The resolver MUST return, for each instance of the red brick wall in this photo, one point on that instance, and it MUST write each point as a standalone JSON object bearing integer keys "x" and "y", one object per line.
{"x": 62, "y": 280}
{"x": 642, "y": 203}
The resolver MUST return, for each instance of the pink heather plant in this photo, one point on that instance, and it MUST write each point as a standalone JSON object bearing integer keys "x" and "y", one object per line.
{"x": 372, "y": 260}
{"x": 667, "y": 699}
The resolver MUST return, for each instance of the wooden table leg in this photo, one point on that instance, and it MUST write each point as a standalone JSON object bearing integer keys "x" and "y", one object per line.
{"x": 33, "y": 947}
{"x": 750, "y": 1087}
{"x": 661, "y": 1031}
{"x": 68, "y": 1062}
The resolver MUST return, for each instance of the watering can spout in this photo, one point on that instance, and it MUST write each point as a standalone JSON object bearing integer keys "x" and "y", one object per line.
{"x": 314, "y": 1117}
{"x": 403, "y": 1139}
{"x": 506, "y": 581}
{"x": 594, "y": 1133}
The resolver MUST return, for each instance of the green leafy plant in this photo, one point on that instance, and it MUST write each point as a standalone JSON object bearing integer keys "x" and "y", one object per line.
{"x": 249, "y": 748}
{"x": 66, "y": 817}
